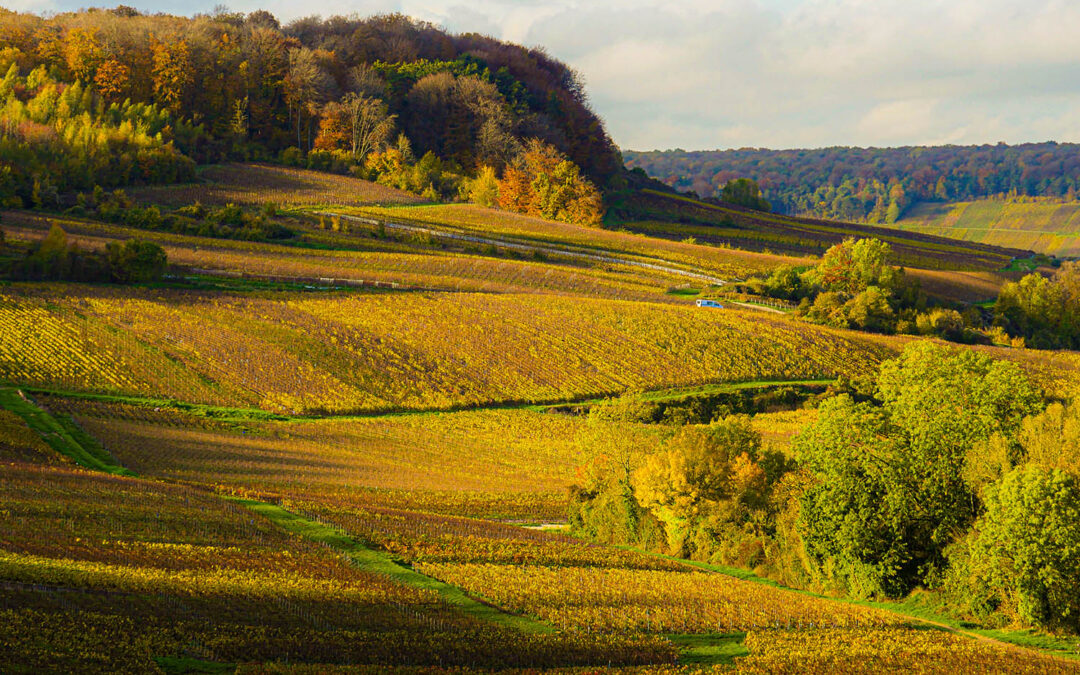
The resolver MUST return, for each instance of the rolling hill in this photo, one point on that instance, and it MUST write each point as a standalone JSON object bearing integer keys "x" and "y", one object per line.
{"x": 317, "y": 450}
{"x": 1052, "y": 228}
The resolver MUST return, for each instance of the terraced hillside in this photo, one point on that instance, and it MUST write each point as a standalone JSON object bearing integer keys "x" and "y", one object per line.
{"x": 672, "y": 216}
{"x": 1045, "y": 227}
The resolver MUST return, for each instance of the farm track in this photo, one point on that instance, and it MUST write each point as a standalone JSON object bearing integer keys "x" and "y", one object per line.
{"x": 529, "y": 248}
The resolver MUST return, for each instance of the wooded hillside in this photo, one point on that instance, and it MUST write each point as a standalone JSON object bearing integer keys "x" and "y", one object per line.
{"x": 152, "y": 90}
{"x": 872, "y": 184}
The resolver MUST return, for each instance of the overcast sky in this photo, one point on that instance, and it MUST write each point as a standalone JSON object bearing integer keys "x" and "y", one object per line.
{"x": 704, "y": 74}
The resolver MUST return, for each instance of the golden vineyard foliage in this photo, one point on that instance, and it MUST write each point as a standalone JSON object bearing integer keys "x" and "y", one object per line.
{"x": 477, "y": 221}
{"x": 887, "y": 650}
{"x": 371, "y": 352}
{"x": 377, "y": 264}
{"x": 503, "y": 451}
{"x": 427, "y": 537}
{"x": 614, "y": 600}
{"x": 102, "y": 573}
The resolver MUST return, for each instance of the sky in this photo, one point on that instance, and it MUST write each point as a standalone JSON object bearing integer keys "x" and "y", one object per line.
{"x": 714, "y": 74}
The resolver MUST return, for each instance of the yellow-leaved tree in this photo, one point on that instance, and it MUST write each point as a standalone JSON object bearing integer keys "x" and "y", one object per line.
{"x": 542, "y": 182}
{"x": 705, "y": 487}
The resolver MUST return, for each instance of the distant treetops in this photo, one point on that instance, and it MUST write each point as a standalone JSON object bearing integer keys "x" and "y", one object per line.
{"x": 114, "y": 97}
{"x": 873, "y": 185}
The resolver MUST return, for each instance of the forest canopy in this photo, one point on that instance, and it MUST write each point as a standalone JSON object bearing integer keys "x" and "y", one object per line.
{"x": 159, "y": 92}
{"x": 871, "y": 184}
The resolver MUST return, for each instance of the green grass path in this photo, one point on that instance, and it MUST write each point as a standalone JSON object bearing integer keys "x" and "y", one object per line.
{"x": 371, "y": 560}
{"x": 921, "y": 613}
{"x": 62, "y": 434}
{"x": 239, "y": 415}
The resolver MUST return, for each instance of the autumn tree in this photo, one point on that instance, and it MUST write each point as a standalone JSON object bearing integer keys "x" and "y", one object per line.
{"x": 369, "y": 122}
{"x": 172, "y": 73}
{"x": 542, "y": 182}
{"x": 705, "y": 485}
{"x": 307, "y": 85}
{"x": 484, "y": 189}
{"x": 82, "y": 53}
{"x": 112, "y": 80}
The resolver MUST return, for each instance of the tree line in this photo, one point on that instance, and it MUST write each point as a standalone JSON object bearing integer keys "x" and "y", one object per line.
{"x": 54, "y": 258}
{"x": 334, "y": 94}
{"x": 872, "y": 185}
{"x": 946, "y": 471}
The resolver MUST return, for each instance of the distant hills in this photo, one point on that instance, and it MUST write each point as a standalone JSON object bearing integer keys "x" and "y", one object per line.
{"x": 1051, "y": 227}
{"x": 873, "y": 185}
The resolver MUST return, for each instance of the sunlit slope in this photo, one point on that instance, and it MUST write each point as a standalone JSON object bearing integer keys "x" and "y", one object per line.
{"x": 354, "y": 259}
{"x": 393, "y": 350}
{"x": 476, "y": 221}
{"x": 1045, "y": 227}
{"x": 259, "y": 184}
{"x": 673, "y": 216}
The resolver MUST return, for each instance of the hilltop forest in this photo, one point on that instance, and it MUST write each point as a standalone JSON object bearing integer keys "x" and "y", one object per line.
{"x": 872, "y": 185}
{"x": 115, "y": 97}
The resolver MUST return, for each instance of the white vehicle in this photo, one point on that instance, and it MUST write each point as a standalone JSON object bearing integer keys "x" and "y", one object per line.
{"x": 708, "y": 303}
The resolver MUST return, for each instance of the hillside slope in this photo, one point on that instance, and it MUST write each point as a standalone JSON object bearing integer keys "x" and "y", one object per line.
{"x": 375, "y": 351}
{"x": 1052, "y": 228}
{"x": 669, "y": 215}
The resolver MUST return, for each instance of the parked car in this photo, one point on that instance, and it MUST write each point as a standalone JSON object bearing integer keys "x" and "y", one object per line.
{"x": 708, "y": 303}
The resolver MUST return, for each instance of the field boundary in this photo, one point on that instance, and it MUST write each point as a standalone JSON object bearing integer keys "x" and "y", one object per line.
{"x": 925, "y": 617}
{"x": 236, "y": 414}
{"x": 370, "y": 560}
{"x": 62, "y": 434}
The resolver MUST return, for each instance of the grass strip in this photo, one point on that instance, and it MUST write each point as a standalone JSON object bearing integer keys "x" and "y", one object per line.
{"x": 378, "y": 562}
{"x": 1065, "y": 647}
{"x": 62, "y": 434}
{"x": 701, "y": 649}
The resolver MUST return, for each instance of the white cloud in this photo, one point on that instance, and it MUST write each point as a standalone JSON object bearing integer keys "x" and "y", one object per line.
{"x": 898, "y": 121}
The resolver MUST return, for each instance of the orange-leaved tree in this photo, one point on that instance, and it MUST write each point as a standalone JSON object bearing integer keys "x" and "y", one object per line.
{"x": 543, "y": 182}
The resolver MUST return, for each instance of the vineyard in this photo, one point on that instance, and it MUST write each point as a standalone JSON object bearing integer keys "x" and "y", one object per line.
{"x": 660, "y": 214}
{"x": 357, "y": 260}
{"x": 1043, "y": 226}
{"x": 257, "y": 184}
{"x": 877, "y": 650}
{"x": 532, "y": 457}
{"x": 382, "y": 351}
{"x": 477, "y": 221}
{"x": 364, "y": 449}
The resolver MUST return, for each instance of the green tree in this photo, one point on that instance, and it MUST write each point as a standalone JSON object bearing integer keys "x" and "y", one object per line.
{"x": 890, "y": 492}
{"x": 1046, "y": 312}
{"x": 853, "y": 265}
{"x": 1022, "y": 559}
{"x": 136, "y": 261}
{"x": 744, "y": 192}
{"x": 870, "y": 310}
